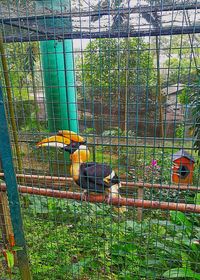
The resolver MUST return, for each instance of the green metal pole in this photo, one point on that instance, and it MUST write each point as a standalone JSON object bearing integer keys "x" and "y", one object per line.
{"x": 10, "y": 102}
{"x": 58, "y": 74}
{"x": 70, "y": 85}
{"x": 58, "y": 71}
{"x": 12, "y": 192}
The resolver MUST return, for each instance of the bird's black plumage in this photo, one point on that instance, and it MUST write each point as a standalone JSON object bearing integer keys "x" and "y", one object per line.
{"x": 92, "y": 177}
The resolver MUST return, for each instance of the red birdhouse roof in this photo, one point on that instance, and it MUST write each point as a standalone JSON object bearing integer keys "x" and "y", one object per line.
{"x": 182, "y": 153}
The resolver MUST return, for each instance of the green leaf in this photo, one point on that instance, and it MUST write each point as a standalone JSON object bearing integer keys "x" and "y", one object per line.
{"x": 155, "y": 262}
{"x": 181, "y": 273}
{"x": 81, "y": 265}
{"x": 185, "y": 260}
{"x": 163, "y": 248}
{"x": 2, "y": 258}
{"x": 180, "y": 218}
{"x": 10, "y": 259}
{"x": 17, "y": 248}
{"x": 197, "y": 198}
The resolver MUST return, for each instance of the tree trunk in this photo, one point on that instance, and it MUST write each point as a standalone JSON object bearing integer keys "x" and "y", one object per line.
{"x": 35, "y": 97}
{"x": 159, "y": 91}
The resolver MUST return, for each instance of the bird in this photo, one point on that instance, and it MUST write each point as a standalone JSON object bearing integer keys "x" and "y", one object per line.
{"x": 91, "y": 177}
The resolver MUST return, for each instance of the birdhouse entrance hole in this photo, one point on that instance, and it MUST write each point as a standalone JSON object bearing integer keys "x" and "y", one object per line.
{"x": 183, "y": 171}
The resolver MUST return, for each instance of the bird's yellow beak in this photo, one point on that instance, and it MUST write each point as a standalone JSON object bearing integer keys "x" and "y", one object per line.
{"x": 61, "y": 140}
{"x": 54, "y": 141}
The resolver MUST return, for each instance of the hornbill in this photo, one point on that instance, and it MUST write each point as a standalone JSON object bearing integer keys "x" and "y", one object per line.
{"x": 90, "y": 176}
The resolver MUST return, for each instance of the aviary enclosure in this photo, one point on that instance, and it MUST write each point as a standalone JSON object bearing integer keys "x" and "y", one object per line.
{"x": 119, "y": 79}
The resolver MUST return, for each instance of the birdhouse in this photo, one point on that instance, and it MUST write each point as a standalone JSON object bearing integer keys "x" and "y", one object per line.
{"x": 183, "y": 167}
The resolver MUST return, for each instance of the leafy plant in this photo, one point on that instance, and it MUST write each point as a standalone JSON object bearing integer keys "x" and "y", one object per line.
{"x": 77, "y": 240}
{"x": 178, "y": 67}
{"x": 8, "y": 254}
{"x": 89, "y": 130}
{"x": 21, "y": 58}
{"x": 197, "y": 199}
{"x": 188, "y": 246}
{"x": 185, "y": 96}
{"x": 180, "y": 131}
{"x": 181, "y": 273}
{"x": 196, "y": 114}
{"x": 116, "y": 131}
{"x": 104, "y": 66}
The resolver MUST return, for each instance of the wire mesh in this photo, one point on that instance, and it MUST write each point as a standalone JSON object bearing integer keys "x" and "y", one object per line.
{"x": 125, "y": 76}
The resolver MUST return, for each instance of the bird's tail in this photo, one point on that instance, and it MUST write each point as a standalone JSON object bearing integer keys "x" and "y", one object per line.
{"x": 114, "y": 192}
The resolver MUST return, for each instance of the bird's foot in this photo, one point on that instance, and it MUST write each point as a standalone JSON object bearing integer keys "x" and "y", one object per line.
{"x": 120, "y": 209}
{"x": 85, "y": 195}
{"x": 108, "y": 198}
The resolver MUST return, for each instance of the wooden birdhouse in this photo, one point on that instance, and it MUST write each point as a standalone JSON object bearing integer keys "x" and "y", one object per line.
{"x": 183, "y": 167}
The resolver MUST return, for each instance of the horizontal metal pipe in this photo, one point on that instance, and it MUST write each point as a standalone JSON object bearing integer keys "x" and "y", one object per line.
{"x": 158, "y": 143}
{"x": 99, "y": 140}
{"x": 157, "y": 146}
{"x": 164, "y": 31}
{"x": 58, "y": 181}
{"x": 160, "y": 186}
{"x": 145, "y": 204}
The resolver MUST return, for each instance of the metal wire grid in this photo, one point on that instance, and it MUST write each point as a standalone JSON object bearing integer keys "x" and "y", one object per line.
{"x": 79, "y": 240}
{"x": 99, "y": 21}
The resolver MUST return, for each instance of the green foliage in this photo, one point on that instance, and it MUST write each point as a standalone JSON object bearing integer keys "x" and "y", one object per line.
{"x": 179, "y": 69}
{"x": 32, "y": 55}
{"x": 181, "y": 273}
{"x": 33, "y": 125}
{"x": 144, "y": 170}
{"x": 105, "y": 63}
{"x": 189, "y": 246}
{"x": 180, "y": 131}
{"x": 20, "y": 59}
{"x": 185, "y": 96}
{"x": 27, "y": 116}
{"x": 196, "y": 114}
{"x": 8, "y": 254}
{"x": 182, "y": 68}
{"x": 191, "y": 96}
{"x": 89, "y": 130}
{"x": 197, "y": 198}
{"x": 116, "y": 131}
{"x": 75, "y": 240}
{"x": 9, "y": 258}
